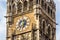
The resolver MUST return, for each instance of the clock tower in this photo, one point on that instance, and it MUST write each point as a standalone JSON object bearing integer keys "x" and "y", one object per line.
{"x": 30, "y": 20}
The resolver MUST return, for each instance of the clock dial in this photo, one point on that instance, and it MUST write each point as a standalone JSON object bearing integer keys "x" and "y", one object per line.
{"x": 23, "y": 22}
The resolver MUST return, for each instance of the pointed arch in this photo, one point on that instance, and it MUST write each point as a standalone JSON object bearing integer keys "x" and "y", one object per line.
{"x": 19, "y": 7}
{"x": 14, "y": 8}
{"x": 37, "y": 1}
{"x": 9, "y": 8}
{"x": 49, "y": 30}
{"x": 43, "y": 25}
{"x": 25, "y": 5}
{"x": 30, "y": 4}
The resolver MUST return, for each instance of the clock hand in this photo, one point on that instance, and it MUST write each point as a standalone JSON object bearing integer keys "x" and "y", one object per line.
{"x": 22, "y": 24}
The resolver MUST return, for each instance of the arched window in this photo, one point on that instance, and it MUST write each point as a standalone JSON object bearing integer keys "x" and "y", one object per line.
{"x": 53, "y": 33}
{"x": 19, "y": 6}
{"x": 43, "y": 26}
{"x": 37, "y": 1}
{"x": 48, "y": 9}
{"x": 51, "y": 13}
{"x": 42, "y": 3}
{"x": 25, "y": 5}
{"x": 9, "y": 8}
{"x": 30, "y": 4}
{"x": 49, "y": 30}
{"x": 14, "y": 8}
{"x": 45, "y": 6}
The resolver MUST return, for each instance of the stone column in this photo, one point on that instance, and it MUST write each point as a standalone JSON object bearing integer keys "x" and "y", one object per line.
{"x": 22, "y": 7}
{"x": 51, "y": 33}
{"x": 28, "y": 5}
{"x": 16, "y": 8}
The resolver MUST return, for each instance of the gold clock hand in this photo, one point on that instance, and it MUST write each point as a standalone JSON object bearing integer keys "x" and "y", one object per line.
{"x": 22, "y": 23}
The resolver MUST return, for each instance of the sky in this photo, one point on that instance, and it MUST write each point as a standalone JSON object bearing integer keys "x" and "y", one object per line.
{"x": 3, "y": 19}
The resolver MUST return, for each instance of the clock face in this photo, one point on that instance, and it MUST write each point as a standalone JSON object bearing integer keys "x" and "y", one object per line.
{"x": 23, "y": 22}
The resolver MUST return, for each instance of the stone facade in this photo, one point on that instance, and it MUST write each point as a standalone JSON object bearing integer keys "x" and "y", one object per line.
{"x": 31, "y": 20}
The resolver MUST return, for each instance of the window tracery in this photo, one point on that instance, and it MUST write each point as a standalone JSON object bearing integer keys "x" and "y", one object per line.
{"x": 25, "y": 5}
{"x": 30, "y": 4}
{"x": 19, "y": 6}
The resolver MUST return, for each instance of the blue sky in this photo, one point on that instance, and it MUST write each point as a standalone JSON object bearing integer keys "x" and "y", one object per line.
{"x": 3, "y": 20}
